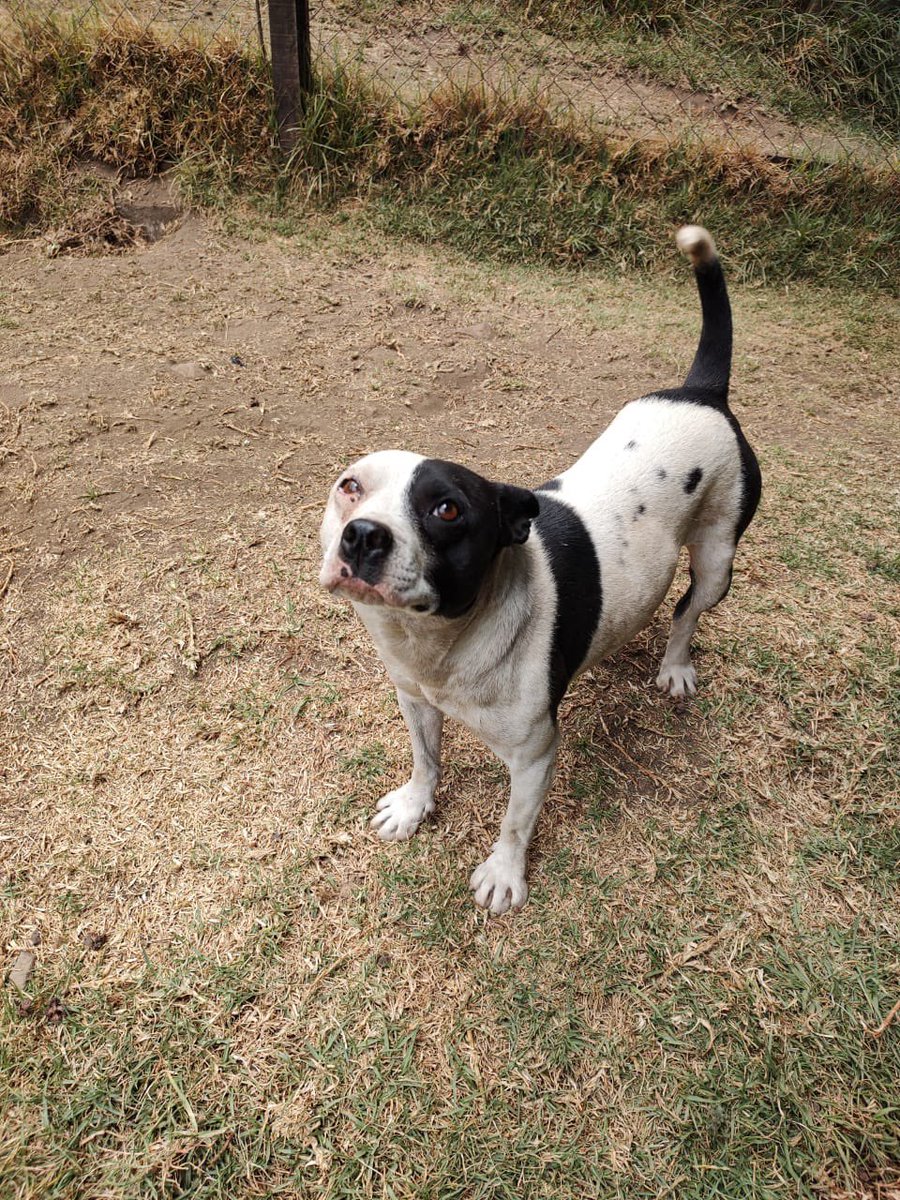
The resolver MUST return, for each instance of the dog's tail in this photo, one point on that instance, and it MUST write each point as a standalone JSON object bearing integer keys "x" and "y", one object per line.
{"x": 711, "y": 368}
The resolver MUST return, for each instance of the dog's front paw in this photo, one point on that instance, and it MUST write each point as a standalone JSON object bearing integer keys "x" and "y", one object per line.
{"x": 399, "y": 814}
{"x": 677, "y": 680}
{"x": 499, "y": 883}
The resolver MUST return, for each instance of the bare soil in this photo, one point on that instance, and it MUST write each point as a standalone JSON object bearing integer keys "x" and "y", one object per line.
{"x": 207, "y": 369}
{"x": 193, "y": 736}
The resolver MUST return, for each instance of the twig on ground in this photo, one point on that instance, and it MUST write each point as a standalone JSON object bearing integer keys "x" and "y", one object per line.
{"x": 886, "y": 1023}
{"x": 5, "y": 584}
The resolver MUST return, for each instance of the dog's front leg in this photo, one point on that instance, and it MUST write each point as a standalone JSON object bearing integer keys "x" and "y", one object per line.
{"x": 499, "y": 883}
{"x": 400, "y": 812}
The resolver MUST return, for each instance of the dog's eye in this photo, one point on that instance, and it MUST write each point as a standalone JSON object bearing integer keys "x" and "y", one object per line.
{"x": 349, "y": 486}
{"x": 447, "y": 510}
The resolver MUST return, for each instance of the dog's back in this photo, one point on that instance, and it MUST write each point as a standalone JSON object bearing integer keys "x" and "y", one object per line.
{"x": 673, "y": 469}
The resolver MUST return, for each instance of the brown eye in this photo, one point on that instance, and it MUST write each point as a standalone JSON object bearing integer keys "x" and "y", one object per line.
{"x": 447, "y": 510}
{"x": 350, "y": 487}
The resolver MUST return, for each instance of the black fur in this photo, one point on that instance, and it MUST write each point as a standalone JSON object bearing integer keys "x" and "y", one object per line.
{"x": 685, "y": 600}
{"x": 579, "y": 595}
{"x": 690, "y": 484}
{"x": 707, "y": 380}
{"x": 711, "y": 368}
{"x": 491, "y": 516}
{"x": 552, "y": 485}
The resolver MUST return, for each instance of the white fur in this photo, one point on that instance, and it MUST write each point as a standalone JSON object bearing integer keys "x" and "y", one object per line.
{"x": 490, "y": 668}
{"x": 696, "y": 243}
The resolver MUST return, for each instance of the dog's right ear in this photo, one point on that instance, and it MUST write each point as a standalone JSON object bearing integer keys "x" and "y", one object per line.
{"x": 517, "y": 508}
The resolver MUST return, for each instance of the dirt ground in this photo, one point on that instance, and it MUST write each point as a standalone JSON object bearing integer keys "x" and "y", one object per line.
{"x": 184, "y": 715}
{"x": 175, "y": 415}
{"x": 204, "y": 366}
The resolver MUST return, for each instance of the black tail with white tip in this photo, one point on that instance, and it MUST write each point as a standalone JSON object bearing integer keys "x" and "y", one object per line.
{"x": 711, "y": 368}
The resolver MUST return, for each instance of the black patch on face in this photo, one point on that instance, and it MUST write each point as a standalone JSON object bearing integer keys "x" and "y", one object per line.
{"x": 576, "y": 573}
{"x": 690, "y": 484}
{"x": 632, "y": 445}
{"x": 552, "y": 486}
{"x": 491, "y": 516}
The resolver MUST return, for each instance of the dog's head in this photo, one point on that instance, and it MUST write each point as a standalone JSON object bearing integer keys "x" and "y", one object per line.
{"x": 418, "y": 533}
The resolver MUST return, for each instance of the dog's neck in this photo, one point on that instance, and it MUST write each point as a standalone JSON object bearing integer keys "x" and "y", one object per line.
{"x": 429, "y": 650}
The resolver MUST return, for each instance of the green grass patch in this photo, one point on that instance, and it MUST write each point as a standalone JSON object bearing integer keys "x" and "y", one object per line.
{"x": 825, "y": 60}
{"x": 491, "y": 176}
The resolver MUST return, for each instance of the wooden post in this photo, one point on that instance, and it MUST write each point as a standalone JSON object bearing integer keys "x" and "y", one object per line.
{"x": 291, "y": 64}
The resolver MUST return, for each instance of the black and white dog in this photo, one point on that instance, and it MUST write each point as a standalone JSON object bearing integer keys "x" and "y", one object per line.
{"x": 485, "y": 599}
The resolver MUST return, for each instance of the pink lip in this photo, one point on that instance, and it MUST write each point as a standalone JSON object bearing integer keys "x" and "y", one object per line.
{"x": 357, "y": 589}
{"x": 339, "y": 579}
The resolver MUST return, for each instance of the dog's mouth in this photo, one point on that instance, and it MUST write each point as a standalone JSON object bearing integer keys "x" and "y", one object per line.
{"x": 358, "y": 589}
{"x": 344, "y": 582}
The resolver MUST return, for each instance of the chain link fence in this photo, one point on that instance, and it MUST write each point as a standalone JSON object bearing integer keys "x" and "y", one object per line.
{"x": 412, "y": 49}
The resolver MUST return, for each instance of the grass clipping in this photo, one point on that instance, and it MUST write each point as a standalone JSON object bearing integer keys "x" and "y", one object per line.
{"x": 489, "y": 174}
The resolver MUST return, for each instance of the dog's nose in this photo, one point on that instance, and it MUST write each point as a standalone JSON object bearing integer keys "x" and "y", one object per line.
{"x": 364, "y": 547}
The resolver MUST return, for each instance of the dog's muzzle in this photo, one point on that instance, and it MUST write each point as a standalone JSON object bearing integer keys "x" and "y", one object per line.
{"x": 364, "y": 547}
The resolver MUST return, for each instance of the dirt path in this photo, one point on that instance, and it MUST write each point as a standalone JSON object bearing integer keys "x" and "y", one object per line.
{"x": 199, "y": 371}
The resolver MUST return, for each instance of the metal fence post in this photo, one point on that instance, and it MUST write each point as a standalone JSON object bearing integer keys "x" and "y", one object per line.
{"x": 291, "y": 64}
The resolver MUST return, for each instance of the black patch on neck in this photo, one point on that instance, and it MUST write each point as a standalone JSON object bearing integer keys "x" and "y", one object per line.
{"x": 576, "y": 574}
{"x": 690, "y": 484}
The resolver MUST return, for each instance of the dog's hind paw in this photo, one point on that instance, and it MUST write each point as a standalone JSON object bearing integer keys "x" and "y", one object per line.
{"x": 400, "y": 813}
{"x": 499, "y": 884}
{"x": 677, "y": 680}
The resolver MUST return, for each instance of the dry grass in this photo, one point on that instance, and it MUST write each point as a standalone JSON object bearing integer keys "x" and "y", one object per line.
{"x": 238, "y": 990}
{"x": 491, "y": 174}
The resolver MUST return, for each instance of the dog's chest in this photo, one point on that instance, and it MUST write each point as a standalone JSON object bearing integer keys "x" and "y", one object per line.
{"x": 493, "y": 681}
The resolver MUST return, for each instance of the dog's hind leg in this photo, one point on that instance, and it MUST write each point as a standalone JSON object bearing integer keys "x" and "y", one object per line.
{"x": 711, "y": 565}
{"x": 400, "y": 813}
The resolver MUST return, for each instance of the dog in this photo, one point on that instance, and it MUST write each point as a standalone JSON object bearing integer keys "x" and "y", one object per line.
{"x": 485, "y": 599}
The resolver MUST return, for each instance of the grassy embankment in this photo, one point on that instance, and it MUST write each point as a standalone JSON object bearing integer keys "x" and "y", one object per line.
{"x": 491, "y": 175}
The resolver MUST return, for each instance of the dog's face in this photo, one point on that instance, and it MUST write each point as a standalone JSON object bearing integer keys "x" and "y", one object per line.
{"x": 418, "y": 533}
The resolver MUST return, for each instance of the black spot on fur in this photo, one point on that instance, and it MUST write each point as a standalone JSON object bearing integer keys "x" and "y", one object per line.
{"x": 639, "y": 512}
{"x": 552, "y": 486}
{"x": 690, "y": 484}
{"x": 751, "y": 477}
{"x": 576, "y": 573}
{"x": 632, "y": 445}
{"x": 660, "y": 473}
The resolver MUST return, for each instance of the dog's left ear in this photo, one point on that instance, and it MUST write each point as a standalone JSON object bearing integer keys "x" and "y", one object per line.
{"x": 517, "y": 508}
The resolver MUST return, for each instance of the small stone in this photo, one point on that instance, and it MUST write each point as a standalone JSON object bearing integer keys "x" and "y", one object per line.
{"x": 22, "y": 969}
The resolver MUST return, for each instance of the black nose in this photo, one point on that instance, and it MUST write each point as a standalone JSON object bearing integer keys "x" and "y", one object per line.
{"x": 364, "y": 547}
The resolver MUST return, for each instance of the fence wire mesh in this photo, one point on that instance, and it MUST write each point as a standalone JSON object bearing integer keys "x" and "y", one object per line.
{"x": 413, "y": 48}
